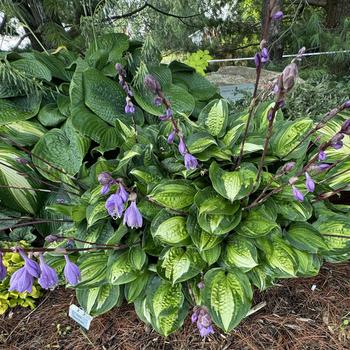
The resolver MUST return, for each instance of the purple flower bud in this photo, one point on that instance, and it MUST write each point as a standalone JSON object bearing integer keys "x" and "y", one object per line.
{"x": 115, "y": 206}
{"x": 3, "y": 270}
{"x": 104, "y": 178}
{"x": 194, "y": 317}
{"x": 30, "y": 265}
{"x": 297, "y": 194}
{"x": 281, "y": 103}
{"x": 346, "y": 104}
{"x": 200, "y": 285}
{"x": 132, "y": 216}
{"x": 152, "y": 83}
{"x": 204, "y": 323}
{"x": 190, "y": 161}
{"x": 21, "y": 281}
{"x": 345, "y": 129}
{"x": 289, "y": 76}
{"x": 169, "y": 112}
{"x": 105, "y": 189}
{"x": 71, "y": 272}
{"x": 336, "y": 141}
{"x": 317, "y": 168}
{"x": 322, "y": 156}
{"x": 158, "y": 101}
{"x": 163, "y": 117}
{"x": 51, "y": 238}
{"x": 264, "y": 55}
{"x": 182, "y": 146}
{"x": 129, "y": 106}
{"x": 288, "y": 167}
{"x": 22, "y": 160}
{"x": 123, "y": 193}
{"x": 171, "y": 137}
{"x": 269, "y": 115}
{"x": 257, "y": 60}
{"x": 276, "y": 89}
{"x": 310, "y": 184}
{"x": 277, "y": 16}
{"x": 119, "y": 68}
{"x": 48, "y": 278}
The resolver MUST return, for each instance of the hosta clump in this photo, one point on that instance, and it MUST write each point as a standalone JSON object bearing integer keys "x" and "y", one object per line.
{"x": 160, "y": 195}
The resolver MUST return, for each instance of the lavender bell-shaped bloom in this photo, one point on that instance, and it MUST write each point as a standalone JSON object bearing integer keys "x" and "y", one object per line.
{"x": 277, "y": 16}
{"x": 257, "y": 60}
{"x": 169, "y": 112}
{"x": 345, "y": 129}
{"x": 182, "y": 146}
{"x": 322, "y": 156}
{"x": 346, "y": 104}
{"x": 190, "y": 161}
{"x": 204, "y": 323}
{"x": 288, "y": 167}
{"x": 129, "y": 106}
{"x": 115, "y": 206}
{"x": 106, "y": 180}
{"x": 123, "y": 193}
{"x": 194, "y": 316}
{"x": 158, "y": 101}
{"x": 48, "y": 278}
{"x": 21, "y": 281}
{"x": 264, "y": 55}
{"x": 152, "y": 83}
{"x": 171, "y": 137}
{"x": 310, "y": 184}
{"x": 336, "y": 141}
{"x": 3, "y": 270}
{"x": 297, "y": 194}
{"x": 132, "y": 216}
{"x": 163, "y": 118}
{"x": 71, "y": 272}
{"x": 30, "y": 265}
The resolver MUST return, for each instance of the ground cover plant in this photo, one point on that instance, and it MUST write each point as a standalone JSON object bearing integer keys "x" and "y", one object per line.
{"x": 140, "y": 183}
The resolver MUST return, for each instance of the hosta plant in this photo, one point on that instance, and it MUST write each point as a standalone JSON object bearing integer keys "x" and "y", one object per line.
{"x": 150, "y": 190}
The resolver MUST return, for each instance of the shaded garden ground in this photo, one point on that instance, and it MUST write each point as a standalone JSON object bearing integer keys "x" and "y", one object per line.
{"x": 295, "y": 317}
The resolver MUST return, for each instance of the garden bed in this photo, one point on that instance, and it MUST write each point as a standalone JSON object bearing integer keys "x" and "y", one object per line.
{"x": 295, "y": 317}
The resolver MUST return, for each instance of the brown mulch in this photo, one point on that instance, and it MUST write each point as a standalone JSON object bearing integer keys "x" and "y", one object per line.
{"x": 295, "y": 318}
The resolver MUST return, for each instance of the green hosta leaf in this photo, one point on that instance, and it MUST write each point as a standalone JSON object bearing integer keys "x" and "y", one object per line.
{"x": 337, "y": 225}
{"x": 254, "y": 143}
{"x": 173, "y": 194}
{"x": 170, "y": 229}
{"x": 32, "y": 68}
{"x": 137, "y": 258}
{"x": 233, "y": 134}
{"x": 308, "y": 264}
{"x": 338, "y": 181}
{"x": 64, "y": 148}
{"x": 233, "y": 185}
{"x": 147, "y": 175}
{"x": 257, "y": 223}
{"x": 241, "y": 253}
{"x": 178, "y": 264}
{"x": 128, "y": 156}
{"x": 216, "y": 215}
{"x": 49, "y": 115}
{"x": 137, "y": 287}
{"x": 214, "y": 117}
{"x": 304, "y": 236}
{"x": 93, "y": 267}
{"x": 261, "y": 120}
{"x": 260, "y": 277}
{"x": 96, "y": 212}
{"x": 103, "y": 96}
{"x": 54, "y": 64}
{"x": 228, "y": 297}
{"x": 166, "y": 305}
{"x": 289, "y": 135}
{"x": 212, "y": 255}
{"x": 120, "y": 270}
{"x": 198, "y": 142}
{"x": 19, "y": 108}
{"x": 22, "y": 234}
{"x": 97, "y": 301}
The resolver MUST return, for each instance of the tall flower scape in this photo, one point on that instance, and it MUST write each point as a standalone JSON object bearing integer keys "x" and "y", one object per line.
{"x": 140, "y": 183}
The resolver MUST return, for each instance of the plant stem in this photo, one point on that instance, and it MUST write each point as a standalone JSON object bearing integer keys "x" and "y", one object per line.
{"x": 30, "y": 223}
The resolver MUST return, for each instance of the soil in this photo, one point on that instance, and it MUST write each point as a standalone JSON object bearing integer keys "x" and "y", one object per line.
{"x": 296, "y": 317}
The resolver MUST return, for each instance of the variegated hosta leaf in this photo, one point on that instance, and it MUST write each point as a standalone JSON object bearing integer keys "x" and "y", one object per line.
{"x": 212, "y": 255}
{"x": 178, "y": 264}
{"x": 98, "y": 300}
{"x": 240, "y": 252}
{"x": 216, "y": 215}
{"x": 233, "y": 185}
{"x": 137, "y": 287}
{"x": 165, "y": 305}
{"x": 228, "y": 297}
{"x": 169, "y": 229}
{"x": 198, "y": 142}
{"x": 173, "y": 194}
{"x": 339, "y": 176}
{"x": 308, "y": 264}
{"x": 261, "y": 277}
{"x": 261, "y": 120}
{"x": 120, "y": 270}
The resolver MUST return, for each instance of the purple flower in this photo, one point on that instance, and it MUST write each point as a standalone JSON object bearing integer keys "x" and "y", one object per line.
{"x": 338, "y": 145}
{"x": 105, "y": 189}
{"x": 30, "y": 265}
{"x": 276, "y": 89}
{"x": 281, "y": 103}
{"x": 269, "y": 115}
{"x": 190, "y": 161}
{"x": 171, "y": 137}
{"x": 115, "y": 206}
{"x": 163, "y": 117}
{"x": 123, "y": 193}
{"x": 48, "y": 278}
{"x": 319, "y": 167}
{"x": 345, "y": 129}
{"x": 152, "y": 83}
{"x": 119, "y": 68}
{"x": 277, "y": 16}
{"x": 264, "y": 55}
{"x": 132, "y": 216}
{"x": 204, "y": 323}
{"x": 346, "y": 104}
{"x": 194, "y": 316}
{"x": 129, "y": 106}
{"x": 182, "y": 146}
{"x": 288, "y": 167}
{"x": 169, "y": 112}
{"x": 322, "y": 156}
{"x": 106, "y": 180}
{"x": 71, "y": 272}
{"x": 310, "y": 184}
{"x": 3, "y": 270}
{"x": 158, "y": 101}
{"x": 21, "y": 281}
{"x": 257, "y": 60}
{"x": 200, "y": 285}
{"x": 297, "y": 194}
{"x": 336, "y": 141}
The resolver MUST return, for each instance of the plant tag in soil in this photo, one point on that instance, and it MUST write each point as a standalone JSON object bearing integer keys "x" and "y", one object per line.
{"x": 80, "y": 316}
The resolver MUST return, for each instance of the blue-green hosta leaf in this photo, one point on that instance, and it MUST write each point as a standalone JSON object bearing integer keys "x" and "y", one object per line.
{"x": 214, "y": 117}
{"x": 178, "y": 264}
{"x": 19, "y": 108}
{"x": 288, "y": 136}
{"x": 49, "y": 115}
{"x": 228, "y": 296}
{"x": 32, "y": 68}
{"x": 233, "y": 185}
{"x": 304, "y": 236}
{"x": 173, "y": 194}
{"x": 169, "y": 229}
{"x": 216, "y": 215}
{"x": 241, "y": 253}
{"x": 120, "y": 270}
{"x": 166, "y": 306}
{"x": 98, "y": 300}
{"x": 64, "y": 148}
